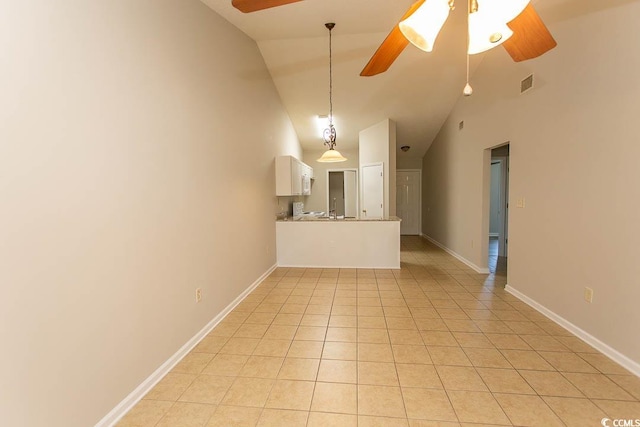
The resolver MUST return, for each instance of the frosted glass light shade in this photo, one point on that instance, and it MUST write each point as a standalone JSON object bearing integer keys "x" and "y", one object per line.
{"x": 423, "y": 26}
{"x": 488, "y": 25}
{"x": 332, "y": 156}
{"x": 486, "y": 33}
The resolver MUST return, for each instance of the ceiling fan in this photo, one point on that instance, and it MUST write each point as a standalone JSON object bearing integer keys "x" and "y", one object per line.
{"x": 530, "y": 38}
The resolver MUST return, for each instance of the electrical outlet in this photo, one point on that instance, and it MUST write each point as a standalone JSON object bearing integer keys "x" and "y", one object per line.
{"x": 521, "y": 203}
{"x": 588, "y": 295}
{"x": 198, "y": 294}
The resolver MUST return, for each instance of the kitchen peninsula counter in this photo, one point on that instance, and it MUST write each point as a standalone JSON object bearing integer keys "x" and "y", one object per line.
{"x": 318, "y": 242}
{"x": 310, "y": 218}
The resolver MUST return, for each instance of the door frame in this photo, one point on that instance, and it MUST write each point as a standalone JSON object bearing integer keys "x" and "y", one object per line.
{"x": 486, "y": 195}
{"x": 503, "y": 247}
{"x": 419, "y": 195}
{"x": 357, "y": 187}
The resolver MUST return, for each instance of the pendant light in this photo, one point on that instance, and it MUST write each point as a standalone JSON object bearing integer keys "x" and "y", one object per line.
{"x": 329, "y": 134}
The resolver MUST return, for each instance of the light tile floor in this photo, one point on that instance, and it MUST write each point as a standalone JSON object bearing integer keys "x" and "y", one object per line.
{"x": 432, "y": 344}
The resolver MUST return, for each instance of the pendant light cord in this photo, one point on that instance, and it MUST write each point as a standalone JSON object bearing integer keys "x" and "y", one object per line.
{"x": 330, "y": 78}
{"x": 329, "y": 134}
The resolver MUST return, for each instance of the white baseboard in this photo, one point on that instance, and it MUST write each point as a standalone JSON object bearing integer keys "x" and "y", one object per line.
{"x": 136, "y": 395}
{"x": 460, "y": 258}
{"x": 348, "y": 267}
{"x": 610, "y": 352}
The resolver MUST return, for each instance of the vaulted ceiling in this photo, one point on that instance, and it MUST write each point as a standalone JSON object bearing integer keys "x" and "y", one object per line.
{"x": 418, "y": 91}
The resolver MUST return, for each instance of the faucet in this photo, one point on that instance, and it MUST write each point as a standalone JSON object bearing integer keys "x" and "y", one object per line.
{"x": 334, "y": 210}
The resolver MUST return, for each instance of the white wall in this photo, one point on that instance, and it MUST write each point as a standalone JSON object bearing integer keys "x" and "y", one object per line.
{"x": 579, "y": 226}
{"x": 377, "y": 144}
{"x": 317, "y": 201}
{"x": 137, "y": 145}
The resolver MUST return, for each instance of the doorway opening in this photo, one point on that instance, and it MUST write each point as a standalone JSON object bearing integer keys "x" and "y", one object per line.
{"x": 342, "y": 192}
{"x": 499, "y": 210}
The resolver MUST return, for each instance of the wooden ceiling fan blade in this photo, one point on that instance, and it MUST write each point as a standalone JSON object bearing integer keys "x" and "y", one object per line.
{"x": 390, "y": 48}
{"x": 386, "y": 54}
{"x": 248, "y": 6}
{"x": 531, "y": 38}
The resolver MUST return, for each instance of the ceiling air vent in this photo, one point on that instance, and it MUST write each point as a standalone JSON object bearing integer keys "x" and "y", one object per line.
{"x": 526, "y": 84}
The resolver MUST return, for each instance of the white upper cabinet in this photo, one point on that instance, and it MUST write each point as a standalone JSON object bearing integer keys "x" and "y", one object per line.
{"x": 293, "y": 178}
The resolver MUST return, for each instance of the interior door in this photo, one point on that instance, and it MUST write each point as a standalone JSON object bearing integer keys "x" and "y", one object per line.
{"x": 408, "y": 201}
{"x": 372, "y": 191}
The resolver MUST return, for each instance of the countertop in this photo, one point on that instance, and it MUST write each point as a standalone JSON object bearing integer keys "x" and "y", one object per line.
{"x": 325, "y": 219}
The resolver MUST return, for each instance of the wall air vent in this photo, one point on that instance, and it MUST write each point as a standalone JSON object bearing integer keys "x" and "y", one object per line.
{"x": 526, "y": 84}
{"x": 461, "y": 125}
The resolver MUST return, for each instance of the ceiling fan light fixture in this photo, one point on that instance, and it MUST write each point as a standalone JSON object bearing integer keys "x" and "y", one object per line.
{"x": 488, "y": 21}
{"x": 424, "y": 25}
{"x": 495, "y": 37}
{"x": 485, "y": 32}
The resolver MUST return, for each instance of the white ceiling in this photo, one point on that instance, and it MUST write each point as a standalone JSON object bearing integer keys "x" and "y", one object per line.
{"x": 418, "y": 91}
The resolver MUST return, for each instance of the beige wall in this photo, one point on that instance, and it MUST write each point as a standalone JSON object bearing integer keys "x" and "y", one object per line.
{"x": 377, "y": 144}
{"x": 317, "y": 201}
{"x": 405, "y": 162}
{"x": 579, "y": 226}
{"x": 137, "y": 145}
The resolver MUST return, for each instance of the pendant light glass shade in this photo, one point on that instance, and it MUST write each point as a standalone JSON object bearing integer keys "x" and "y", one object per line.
{"x": 331, "y": 156}
{"x": 423, "y": 26}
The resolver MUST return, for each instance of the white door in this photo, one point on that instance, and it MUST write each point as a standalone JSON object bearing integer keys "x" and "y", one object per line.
{"x": 408, "y": 201}
{"x": 350, "y": 194}
{"x": 372, "y": 191}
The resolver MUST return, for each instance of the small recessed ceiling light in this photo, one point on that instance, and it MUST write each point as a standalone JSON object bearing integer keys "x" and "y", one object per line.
{"x": 322, "y": 121}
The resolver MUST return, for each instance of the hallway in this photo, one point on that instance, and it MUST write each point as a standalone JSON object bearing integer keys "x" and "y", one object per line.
{"x": 432, "y": 342}
{"x": 497, "y": 264}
